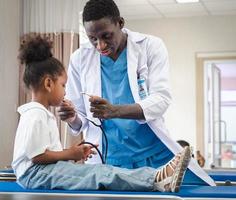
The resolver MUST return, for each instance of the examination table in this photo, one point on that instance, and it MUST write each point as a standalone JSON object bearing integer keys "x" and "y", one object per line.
{"x": 10, "y": 190}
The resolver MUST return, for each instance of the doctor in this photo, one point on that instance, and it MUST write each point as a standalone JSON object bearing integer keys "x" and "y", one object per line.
{"x": 126, "y": 75}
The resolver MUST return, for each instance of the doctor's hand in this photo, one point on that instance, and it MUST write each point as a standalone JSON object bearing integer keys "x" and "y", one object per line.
{"x": 66, "y": 111}
{"x": 102, "y": 109}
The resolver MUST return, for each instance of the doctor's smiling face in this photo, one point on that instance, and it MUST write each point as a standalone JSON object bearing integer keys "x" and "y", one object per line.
{"x": 106, "y": 36}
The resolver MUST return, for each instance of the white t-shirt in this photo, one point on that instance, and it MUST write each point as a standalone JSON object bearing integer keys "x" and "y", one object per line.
{"x": 37, "y": 132}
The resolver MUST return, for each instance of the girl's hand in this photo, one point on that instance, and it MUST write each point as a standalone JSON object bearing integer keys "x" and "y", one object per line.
{"x": 82, "y": 151}
{"x": 87, "y": 151}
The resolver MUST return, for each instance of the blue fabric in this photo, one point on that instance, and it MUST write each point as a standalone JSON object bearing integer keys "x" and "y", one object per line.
{"x": 127, "y": 138}
{"x": 185, "y": 191}
{"x": 70, "y": 176}
{"x": 222, "y": 175}
{"x": 6, "y": 171}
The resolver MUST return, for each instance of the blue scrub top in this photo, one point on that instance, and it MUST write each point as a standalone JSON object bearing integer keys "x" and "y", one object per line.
{"x": 131, "y": 145}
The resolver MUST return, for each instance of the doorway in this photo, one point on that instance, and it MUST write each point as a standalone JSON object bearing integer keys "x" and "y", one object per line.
{"x": 220, "y": 112}
{"x": 216, "y": 110}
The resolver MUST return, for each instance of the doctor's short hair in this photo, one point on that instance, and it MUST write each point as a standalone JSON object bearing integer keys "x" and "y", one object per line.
{"x": 98, "y": 9}
{"x": 35, "y": 53}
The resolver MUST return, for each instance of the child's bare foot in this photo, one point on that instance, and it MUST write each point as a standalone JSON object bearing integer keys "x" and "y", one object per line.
{"x": 170, "y": 177}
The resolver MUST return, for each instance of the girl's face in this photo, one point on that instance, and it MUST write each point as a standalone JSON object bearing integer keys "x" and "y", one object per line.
{"x": 58, "y": 91}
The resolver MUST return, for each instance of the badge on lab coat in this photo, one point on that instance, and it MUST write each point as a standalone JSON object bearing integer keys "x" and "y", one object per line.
{"x": 142, "y": 87}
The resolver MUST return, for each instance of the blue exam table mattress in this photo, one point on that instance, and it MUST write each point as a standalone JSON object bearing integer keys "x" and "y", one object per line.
{"x": 220, "y": 175}
{"x": 186, "y": 191}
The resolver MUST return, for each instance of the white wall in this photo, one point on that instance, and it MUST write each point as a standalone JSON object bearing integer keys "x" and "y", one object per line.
{"x": 184, "y": 37}
{"x": 9, "y": 45}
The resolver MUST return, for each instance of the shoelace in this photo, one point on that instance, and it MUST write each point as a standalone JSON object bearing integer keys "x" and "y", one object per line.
{"x": 162, "y": 173}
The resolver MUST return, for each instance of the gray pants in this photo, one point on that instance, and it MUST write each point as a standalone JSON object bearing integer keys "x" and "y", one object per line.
{"x": 70, "y": 176}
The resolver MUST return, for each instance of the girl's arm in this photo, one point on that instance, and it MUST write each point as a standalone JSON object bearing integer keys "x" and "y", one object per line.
{"x": 76, "y": 152}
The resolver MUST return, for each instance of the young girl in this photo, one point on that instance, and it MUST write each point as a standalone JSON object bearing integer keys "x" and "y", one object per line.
{"x": 40, "y": 161}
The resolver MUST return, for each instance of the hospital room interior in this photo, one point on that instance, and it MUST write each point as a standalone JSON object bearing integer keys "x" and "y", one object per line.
{"x": 199, "y": 36}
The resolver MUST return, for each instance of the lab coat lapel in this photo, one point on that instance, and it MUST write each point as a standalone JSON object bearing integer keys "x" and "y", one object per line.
{"x": 92, "y": 82}
{"x": 93, "y": 75}
{"x": 132, "y": 66}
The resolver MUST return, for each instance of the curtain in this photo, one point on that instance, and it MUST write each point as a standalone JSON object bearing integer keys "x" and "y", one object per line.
{"x": 50, "y": 16}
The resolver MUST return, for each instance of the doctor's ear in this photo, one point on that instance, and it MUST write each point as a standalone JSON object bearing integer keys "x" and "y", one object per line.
{"x": 121, "y": 22}
{"x": 48, "y": 83}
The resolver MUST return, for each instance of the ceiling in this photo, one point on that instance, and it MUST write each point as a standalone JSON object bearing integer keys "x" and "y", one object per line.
{"x": 137, "y": 9}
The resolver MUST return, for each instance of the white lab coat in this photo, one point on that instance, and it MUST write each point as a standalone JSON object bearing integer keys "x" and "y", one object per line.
{"x": 147, "y": 57}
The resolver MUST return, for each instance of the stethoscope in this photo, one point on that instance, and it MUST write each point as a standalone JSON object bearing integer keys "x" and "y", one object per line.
{"x": 103, "y": 133}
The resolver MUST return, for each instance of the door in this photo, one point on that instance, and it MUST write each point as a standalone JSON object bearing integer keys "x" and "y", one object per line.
{"x": 214, "y": 115}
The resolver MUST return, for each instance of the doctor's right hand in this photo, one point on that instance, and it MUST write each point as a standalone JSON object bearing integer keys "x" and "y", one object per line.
{"x": 66, "y": 111}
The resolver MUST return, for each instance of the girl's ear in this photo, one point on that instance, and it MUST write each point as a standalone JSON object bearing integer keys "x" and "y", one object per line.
{"x": 121, "y": 22}
{"x": 48, "y": 83}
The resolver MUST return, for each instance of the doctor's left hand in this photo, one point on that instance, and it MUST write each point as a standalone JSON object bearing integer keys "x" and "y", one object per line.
{"x": 102, "y": 109}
